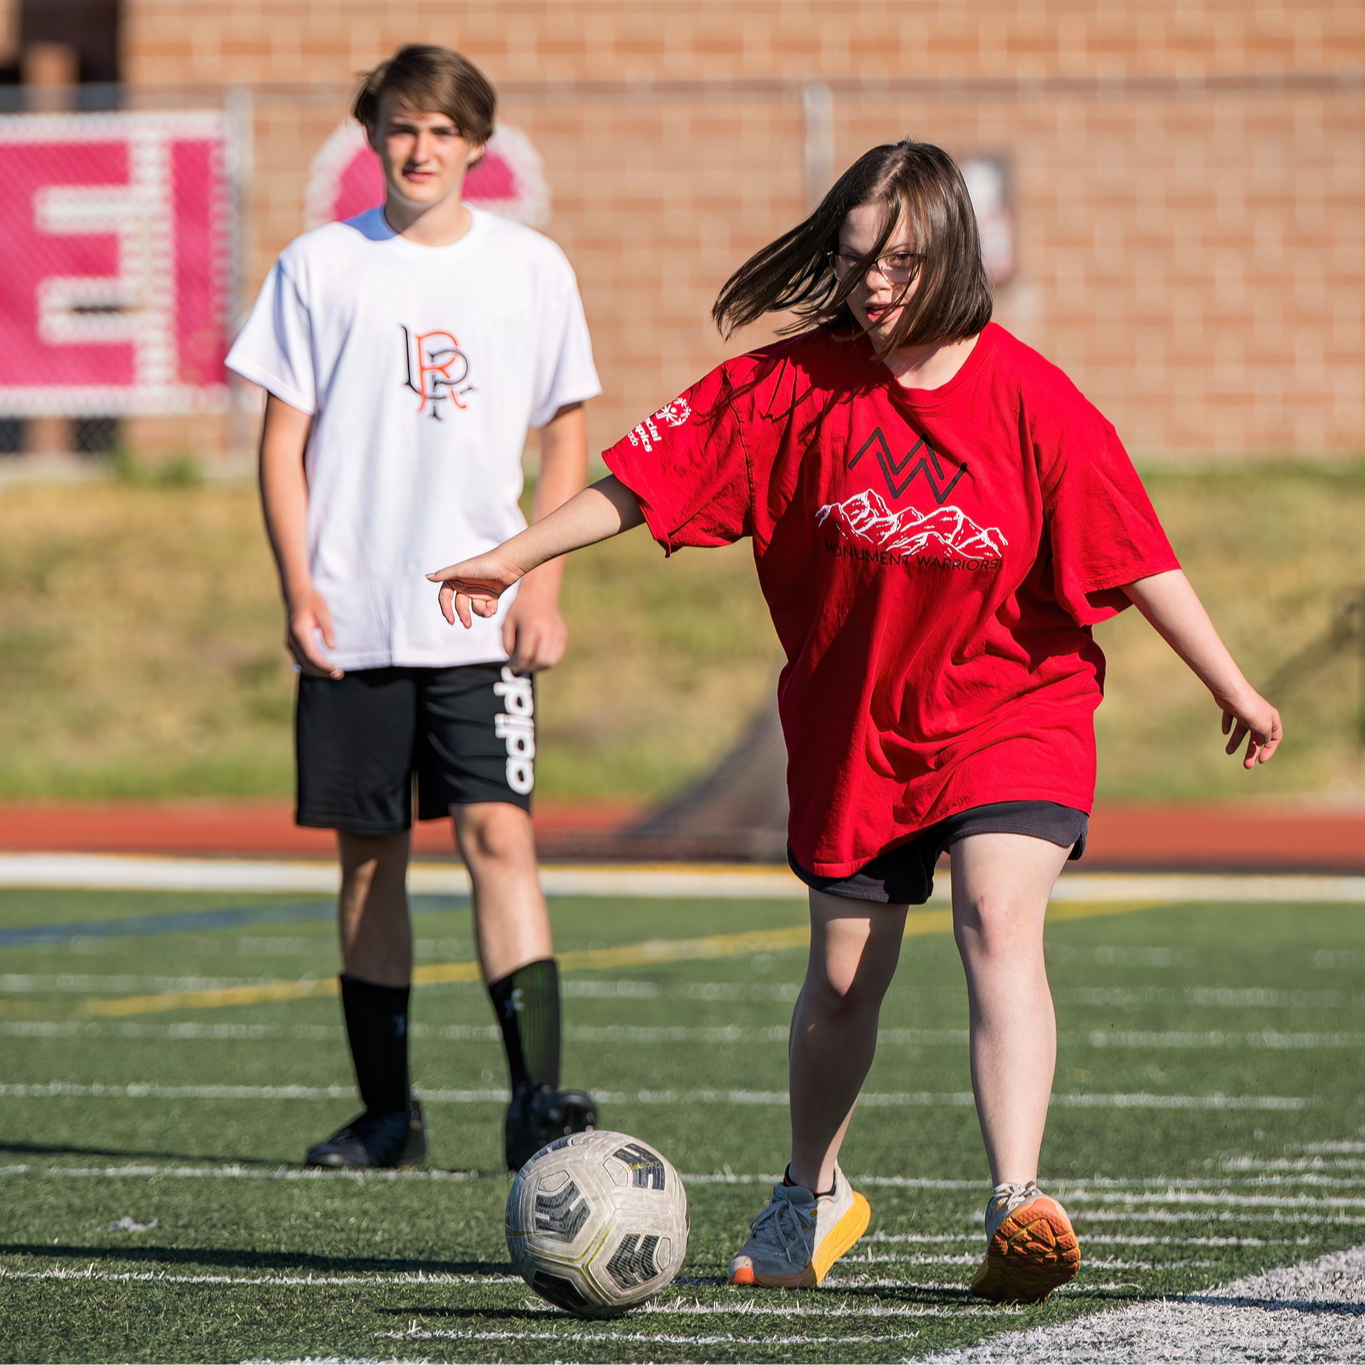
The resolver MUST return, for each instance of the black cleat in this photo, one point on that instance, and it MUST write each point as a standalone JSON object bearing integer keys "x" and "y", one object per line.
{"x": 538, "y": 1116}
{"x": 374, "y": 1140}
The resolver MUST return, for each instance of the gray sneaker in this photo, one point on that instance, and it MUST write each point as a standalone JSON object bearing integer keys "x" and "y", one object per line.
{"x": 1031, "y": 1247}
{"x": 799, "y": 1235}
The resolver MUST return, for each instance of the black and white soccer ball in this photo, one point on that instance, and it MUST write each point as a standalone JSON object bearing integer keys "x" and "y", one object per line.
{"x": 597, "y": 1223}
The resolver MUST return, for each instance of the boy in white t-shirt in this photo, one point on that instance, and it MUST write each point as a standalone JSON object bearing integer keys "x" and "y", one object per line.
{"x": 405, "y": 354}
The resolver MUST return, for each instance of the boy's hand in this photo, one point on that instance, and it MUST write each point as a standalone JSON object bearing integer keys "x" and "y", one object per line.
{"x": 534, "y": 634}
{"x": 472, "y": 587}
{"x": 308, "y": 619}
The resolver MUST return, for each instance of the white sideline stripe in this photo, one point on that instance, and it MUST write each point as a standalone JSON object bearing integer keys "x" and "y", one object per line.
{"x": 1214, "y": 997}
{"x": 1268, "y": 1040}
{"x": 377, "y": 1280}
{"x": 741, "y": 881}
{"x": 632, "y": 1338}
{"x": 1209, "y": 997}
{"x": 1118, "y": 1192}
{"x": 1304, "y": 1163}
{"x": 874, "y": 1100}
{"x": 1243, "y": 1200}
{"x": 1167, "y": 1216}
{"x": 1311, "y": 1311}
{"x": 974, "y": 1259}
{"x": 1092, "y": 1239}
{"x": 132, "y": 872}
{"x": 337, "y": 1360}
{"x": 135, "y": 1171}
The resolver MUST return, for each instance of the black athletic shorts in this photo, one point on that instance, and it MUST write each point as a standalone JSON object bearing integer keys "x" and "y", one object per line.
{"x": 905, "y": 876}
{"x": 458, "y": 734}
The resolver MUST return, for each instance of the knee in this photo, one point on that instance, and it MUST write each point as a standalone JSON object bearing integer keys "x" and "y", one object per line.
{"x": 998, "y": 929}
{"x": 368, "y": 862}
{"x": 842, "y": 994}
{"x": 495, "y": 835}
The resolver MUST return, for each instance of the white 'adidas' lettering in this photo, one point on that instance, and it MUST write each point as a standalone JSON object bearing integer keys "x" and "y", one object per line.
{"x": 516, "y": 727}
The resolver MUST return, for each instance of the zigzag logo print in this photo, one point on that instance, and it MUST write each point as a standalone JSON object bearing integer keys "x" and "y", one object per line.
{"x": 645, "y": 1167}
{"x": 633, "y": 1261}
{"x": 891, "y": 468}
{"x": 558, "y": 1214}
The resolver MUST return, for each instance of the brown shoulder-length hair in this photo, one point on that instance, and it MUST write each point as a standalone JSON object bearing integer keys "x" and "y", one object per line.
{"x": 427, "y": 77}
{"x": 795, "y": 273}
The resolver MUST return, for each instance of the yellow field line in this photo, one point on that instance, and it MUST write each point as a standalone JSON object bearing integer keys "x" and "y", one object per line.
{"x": 918, "y": 922}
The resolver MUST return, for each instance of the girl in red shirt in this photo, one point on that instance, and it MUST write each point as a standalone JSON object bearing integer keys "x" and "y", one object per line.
{"x": 938, "y": 518}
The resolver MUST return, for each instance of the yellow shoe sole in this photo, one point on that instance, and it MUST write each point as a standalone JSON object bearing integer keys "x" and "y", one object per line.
{"x": 840, "y": 1239}
{"x": 1033, "y": 1251}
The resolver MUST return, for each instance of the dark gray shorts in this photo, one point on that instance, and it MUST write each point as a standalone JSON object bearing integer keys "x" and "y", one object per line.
{"x": 364, "y": 740}
{"x": 905, "y": 876}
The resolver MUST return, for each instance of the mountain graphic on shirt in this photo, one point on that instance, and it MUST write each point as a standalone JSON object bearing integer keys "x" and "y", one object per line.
{"x": 867, "y": 520}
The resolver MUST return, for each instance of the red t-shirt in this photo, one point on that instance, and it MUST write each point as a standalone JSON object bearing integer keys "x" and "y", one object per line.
{"x": 933, "y": 561}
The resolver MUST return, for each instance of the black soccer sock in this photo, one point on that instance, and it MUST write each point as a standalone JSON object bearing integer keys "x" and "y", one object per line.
{"x": 526, "y": 1002}
{"x": 791, "y": 1185}
{"x": 377, "y": 1029}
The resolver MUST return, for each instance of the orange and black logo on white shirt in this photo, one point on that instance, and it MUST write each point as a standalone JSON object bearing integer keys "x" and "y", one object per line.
{"x": 436, "y": 369}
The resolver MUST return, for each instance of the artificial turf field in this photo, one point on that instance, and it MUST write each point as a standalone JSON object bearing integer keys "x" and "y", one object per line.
{"x": 166, "y": 1057}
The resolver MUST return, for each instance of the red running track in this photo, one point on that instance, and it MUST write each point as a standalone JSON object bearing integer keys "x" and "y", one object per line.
{"x": 1250, "y": 837}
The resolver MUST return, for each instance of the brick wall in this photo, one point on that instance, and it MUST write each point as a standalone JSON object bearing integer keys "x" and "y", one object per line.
{"x": 1188, "y": 179}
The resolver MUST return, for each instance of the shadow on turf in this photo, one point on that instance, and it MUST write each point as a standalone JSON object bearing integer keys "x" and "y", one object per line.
{"x": 239, "y": 1258}
{"x": 219, "y": 1159}
{"x": 141, "y": 1153}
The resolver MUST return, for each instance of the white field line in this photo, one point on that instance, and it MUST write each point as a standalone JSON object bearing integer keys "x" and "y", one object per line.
{"x": 1314, "y": 1311}
{"x": 1167, "y": 1217}
{"x": 379, "y": 1280}
{"x": 719, "y": 1034}
{"x": 1207, "y": 997}
{"x": 1216, "y": 997}
{"x": 149, "y": 1090}
{"x": 339, "y": 1360}
{"x": 744, "y": 1308}
{"x": 1282, "y": 1163}
{"x": 1244, "y": 1199}
{"x": 1238, "y": 1192}
{"x": 117, "y": 871}
{"x": 667, "y": 1307}
{"x": 974, "y": 1259}
{"x": 211, "y": 941}
{"x": 1092, "y": 1239}
{"x": 619, "y": 1338}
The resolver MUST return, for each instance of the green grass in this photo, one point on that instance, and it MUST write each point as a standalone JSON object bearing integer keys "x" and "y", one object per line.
{"x": 1234, "y": 1029}
{"x": 140, "y": 649}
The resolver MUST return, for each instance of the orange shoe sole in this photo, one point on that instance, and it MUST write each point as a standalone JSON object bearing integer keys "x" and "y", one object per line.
{"x": 1033, "y": 1251}
{"x": 841, "y": 1238}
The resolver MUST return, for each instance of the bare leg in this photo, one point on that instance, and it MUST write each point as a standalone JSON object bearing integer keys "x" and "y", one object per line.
{"x": 372, "y": 908}
{"x": 854, "y": 947}
{"x": 1001, "y": 885}
{"x": 511, "y": 922}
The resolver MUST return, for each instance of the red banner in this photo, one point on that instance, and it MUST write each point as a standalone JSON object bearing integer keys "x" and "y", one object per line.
{"x": 116, "y": 233}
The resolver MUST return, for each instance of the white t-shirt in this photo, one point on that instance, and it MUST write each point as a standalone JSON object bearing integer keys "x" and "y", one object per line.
{"x": 423, "y": 368}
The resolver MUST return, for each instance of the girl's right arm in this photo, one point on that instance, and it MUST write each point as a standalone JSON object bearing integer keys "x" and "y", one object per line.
{"x": 472, "y": 587}
{"x": 1169, "y": 602}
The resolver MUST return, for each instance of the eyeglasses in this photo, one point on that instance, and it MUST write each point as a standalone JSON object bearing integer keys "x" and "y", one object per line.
{"x": 896, "y": 267}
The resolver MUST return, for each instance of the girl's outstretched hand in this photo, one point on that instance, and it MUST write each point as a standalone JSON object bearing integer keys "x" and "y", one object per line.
{"x": 1256, "y": 721}
{"x": 472, "y": 587}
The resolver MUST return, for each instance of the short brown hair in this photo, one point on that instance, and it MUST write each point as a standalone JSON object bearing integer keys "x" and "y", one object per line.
{"x": 795, "y": 273}
{"x": 427, "y": 77}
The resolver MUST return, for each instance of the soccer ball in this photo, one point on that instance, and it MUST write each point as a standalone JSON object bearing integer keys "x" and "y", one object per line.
{"x": 597, "y": 1223}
